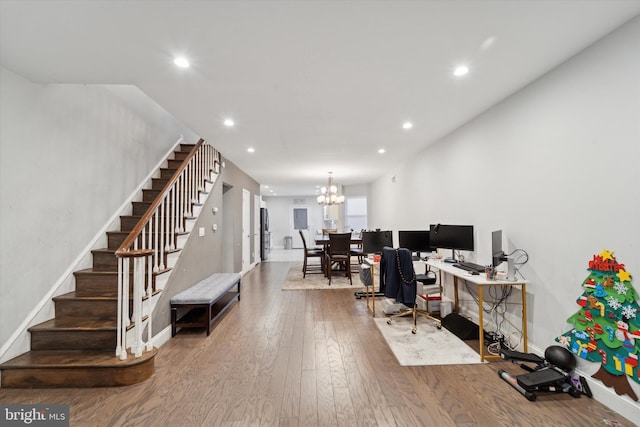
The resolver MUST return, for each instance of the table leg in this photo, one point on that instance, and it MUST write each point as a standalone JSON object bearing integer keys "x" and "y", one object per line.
{"x": 524, "y": 316}
{"x": 456, "y": 301}
{"x": 480, "y": 324}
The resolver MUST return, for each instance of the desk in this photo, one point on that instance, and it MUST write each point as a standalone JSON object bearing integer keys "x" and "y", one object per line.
{"x": 371, "y": 306}
{"x": 481, "y": 282}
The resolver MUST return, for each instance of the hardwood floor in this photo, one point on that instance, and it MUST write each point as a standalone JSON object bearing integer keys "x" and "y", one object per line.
{"x": 307, "y": 358}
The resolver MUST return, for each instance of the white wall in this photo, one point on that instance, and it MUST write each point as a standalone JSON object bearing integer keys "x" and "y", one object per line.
{"x": 555, "y": 166}
{"x": 280, "y": 218}
{"x": 70, "y": 155}
{"x": 280, "y": 214}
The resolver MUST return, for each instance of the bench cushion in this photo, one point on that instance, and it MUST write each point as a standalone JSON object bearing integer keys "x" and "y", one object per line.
{"x": 207, "y": 290}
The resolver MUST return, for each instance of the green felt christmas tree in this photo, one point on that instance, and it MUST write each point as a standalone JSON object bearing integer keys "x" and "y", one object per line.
{"x": 607, "y": 325}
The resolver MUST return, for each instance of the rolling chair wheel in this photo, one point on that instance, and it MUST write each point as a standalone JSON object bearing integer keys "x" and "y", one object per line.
{"x": 414, "y": 330}
{"x": 574, "y": 392}
{"x": 439, "y": 326}
{"x": 389, "y": 322}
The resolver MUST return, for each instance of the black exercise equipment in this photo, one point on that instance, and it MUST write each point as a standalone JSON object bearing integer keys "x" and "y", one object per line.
{"x": 551, "y": 374}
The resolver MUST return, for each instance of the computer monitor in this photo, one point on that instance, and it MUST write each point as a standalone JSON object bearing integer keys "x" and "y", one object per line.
{"x": 374, "y": 241}
{"x": 497, "y": 253}
{"x": 452, "y": 237}
{"x": 415, "y": 240}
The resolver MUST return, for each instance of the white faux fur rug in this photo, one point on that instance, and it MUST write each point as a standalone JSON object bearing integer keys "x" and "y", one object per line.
{"x": 429, "y": 346}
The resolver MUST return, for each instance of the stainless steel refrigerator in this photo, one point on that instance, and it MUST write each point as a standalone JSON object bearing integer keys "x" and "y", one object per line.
{"x": 265, "y": 234}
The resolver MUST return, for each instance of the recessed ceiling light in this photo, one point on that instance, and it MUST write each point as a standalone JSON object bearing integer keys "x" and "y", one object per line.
{"x": 181, "y": 62}
{"x": 382, "y": 151}
{"x": 251, "y": 150}
{"x": 488, "y": 42}
{"x": 407, "y": 125}
{"x": 229, "y": 123}
{"x": 460, "y": 70}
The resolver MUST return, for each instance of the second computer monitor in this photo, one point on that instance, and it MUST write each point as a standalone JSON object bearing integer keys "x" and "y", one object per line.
{"x": 497, "y": 252}
{"x": 455, "y": 237}
{"x": 374, "y": 241}
{"x": 415, "y": 240}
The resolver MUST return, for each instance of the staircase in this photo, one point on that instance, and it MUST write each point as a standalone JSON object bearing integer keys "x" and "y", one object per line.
{"x": 93, "y": 341}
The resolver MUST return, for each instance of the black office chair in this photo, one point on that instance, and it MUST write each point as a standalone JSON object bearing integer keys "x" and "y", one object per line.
{"x": 311, "y": 253}
{"x": 398, "y": 280}
{"x": 339, "y": 252}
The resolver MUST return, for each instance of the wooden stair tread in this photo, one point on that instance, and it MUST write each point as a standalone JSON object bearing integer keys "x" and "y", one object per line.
{"x": 76, "y": 347}
{"x": 70, "y": 359}
{"x": 104, "y": 250}
{"x": 72, "y": 296}
{"x": 96, "y": 272}
{"x": 91, "y": 271}
{"x": 75, "y": 324}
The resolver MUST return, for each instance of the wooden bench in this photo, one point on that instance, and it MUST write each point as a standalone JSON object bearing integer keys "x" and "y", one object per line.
{"x": 204, "y": 302}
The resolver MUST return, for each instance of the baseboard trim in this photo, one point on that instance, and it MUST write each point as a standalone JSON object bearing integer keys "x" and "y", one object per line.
{"x": 162, "y": 337}
{"x": 623, "y": 405}
{"x": 20, "y": 335}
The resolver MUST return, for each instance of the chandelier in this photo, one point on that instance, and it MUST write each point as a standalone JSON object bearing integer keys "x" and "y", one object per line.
{"x": 330, "y": 194}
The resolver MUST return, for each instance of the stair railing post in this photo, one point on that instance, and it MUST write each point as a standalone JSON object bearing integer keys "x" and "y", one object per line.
{"x": 121, "y": 350}
{"x": 156, "y": 237}
{"x": 172, "y": 217}
{"x": 149, "y": 263}
{"x": 162, "y": 232}
{"x": 123, "y": 308}
{"x": 138, "y": 288}
{"x": 180, "y": 202}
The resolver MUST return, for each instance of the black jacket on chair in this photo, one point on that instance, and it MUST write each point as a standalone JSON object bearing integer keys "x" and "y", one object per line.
{"x": 397, "y": 277}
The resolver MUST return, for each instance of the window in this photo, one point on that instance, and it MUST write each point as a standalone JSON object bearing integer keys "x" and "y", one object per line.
{"x": 355, "y": 216}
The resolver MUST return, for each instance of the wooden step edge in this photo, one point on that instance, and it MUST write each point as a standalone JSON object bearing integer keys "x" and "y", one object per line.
{"x": 72, "y": 359}
{"x": 79, "y": 324}
{"x": 104, "y": 250}
{"x": 92, "y": 271}
{"x": 71, "y": 296}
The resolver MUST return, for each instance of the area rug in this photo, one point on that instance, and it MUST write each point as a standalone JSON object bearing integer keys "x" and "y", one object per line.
{"x": 318, "y": 281}
{"x": 429, "y": 346}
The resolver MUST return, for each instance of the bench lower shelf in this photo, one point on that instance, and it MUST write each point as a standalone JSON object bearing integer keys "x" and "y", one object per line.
{"x": 200, "y": 315}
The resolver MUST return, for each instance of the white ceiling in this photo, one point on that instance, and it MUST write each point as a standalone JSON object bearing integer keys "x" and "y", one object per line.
{"x": 313, "y": 86}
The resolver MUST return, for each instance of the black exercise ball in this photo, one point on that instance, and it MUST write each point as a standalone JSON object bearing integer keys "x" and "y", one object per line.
{"x": 560, "y": 357}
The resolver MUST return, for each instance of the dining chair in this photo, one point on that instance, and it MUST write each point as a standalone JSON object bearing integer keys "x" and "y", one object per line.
{"x": 327, "y": 231}
{"x": 339, "y": 252}
{"x": 312, "y": 253}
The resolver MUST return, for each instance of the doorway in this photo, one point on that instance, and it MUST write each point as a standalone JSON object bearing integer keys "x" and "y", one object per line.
{"x": 246, "y": 230}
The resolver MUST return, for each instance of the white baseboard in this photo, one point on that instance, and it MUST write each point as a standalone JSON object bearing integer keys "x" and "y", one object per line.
{"x": 162, "y": 337}
{"x": 44, "y": 308}
{"x": 623, "y": 405}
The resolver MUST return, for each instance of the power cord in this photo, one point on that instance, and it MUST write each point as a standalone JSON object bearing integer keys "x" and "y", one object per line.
{"x": 520, "y": 259}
